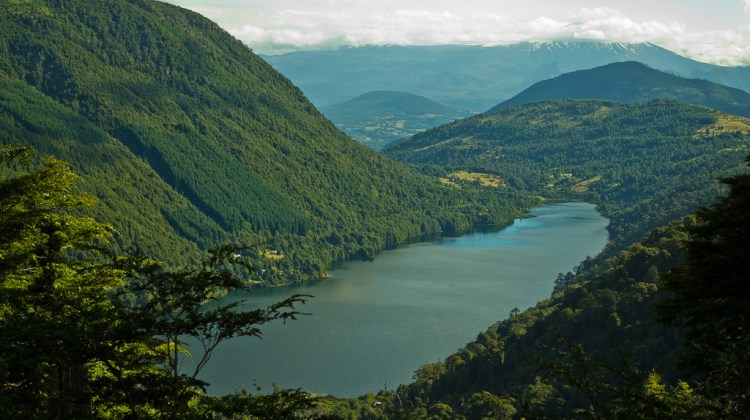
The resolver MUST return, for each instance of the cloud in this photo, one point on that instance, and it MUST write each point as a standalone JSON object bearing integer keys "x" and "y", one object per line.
{"x": 409, "y": 27}
{"x": 727, "y": 47}
{"x": 316, "y": 25}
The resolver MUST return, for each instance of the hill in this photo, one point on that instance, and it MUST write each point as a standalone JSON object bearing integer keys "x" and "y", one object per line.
{"x": 644, "y": 164}
{"x": 189, "y": 139}
{"x": 653, "y": 332}
{"x": 474, "y": 77}
{"x": 631, "y": 81}
{"x": 381, "y": 117}
{"x": 586, "y": 349}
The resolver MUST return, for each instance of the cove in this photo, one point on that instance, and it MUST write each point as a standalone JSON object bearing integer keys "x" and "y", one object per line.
{"x": 376, "y": 322}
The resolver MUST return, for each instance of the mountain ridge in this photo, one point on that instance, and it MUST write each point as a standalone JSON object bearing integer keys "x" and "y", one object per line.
{"x": 473, "y": 77}
{"x": 630, "y": 81}
{"x": 644, "y": 164}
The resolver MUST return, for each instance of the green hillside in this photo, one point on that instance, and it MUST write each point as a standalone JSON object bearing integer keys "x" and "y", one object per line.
{"x": 110, "y": 172}
{"x": 644, "y": 164}
{"x": 382, "y": 117}
{"x": 657, "y": 331}
{"x": 597, "y": 336}
{"x": 631, "y": 81}
{"x": 214, "y": 143}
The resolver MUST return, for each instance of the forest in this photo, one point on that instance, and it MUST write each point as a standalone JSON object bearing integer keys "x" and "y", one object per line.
{"x": 190, "y": 140}
{"x": 657, "y": 330}
{"x": 150, "y": 163}
{"x": 644, "y": 164}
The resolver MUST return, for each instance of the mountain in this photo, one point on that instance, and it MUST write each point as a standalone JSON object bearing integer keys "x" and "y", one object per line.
{"x": 474, "y": 77}
{"x": 644, "y": 164}
{"x": 631, "y": 81}
{"x": 381, "y": 117}
{"x": 653, "y": 332}
{"x": 188, "y": 139}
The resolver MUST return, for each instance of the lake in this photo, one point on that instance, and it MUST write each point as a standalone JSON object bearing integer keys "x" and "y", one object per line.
{"x": 376, "y": 322}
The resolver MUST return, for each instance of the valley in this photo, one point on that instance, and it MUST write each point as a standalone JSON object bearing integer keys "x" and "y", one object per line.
{"x": 168, "y": 198}
{"x": 378, "y": 118}
{"x": 372, "y": 324}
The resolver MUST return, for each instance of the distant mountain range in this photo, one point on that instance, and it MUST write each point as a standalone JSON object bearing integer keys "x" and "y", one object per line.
{"x": 381, "y": 117}
{"x": 474, "y": 77}
{"x": 631, "y": 81}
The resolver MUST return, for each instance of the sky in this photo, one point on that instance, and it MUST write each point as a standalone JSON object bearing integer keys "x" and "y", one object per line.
{"x": 712, "y": 31}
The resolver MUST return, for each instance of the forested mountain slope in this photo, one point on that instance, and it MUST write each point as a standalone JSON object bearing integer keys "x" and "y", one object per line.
{"x": 657, "y": 331}
{"x": 189, "y": 138}
{"x": 632, "y": 81}
{"x": 381, "y": 117}
{"x": 644, "y": 164}
{"x": 587, "y": 348}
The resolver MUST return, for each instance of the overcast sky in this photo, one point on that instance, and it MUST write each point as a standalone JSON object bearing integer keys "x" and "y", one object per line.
{"x": 714, "y": 31}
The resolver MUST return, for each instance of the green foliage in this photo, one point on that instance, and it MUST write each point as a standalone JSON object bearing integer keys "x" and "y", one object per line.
{"x": 598, "y": 348}
{"x": 130, "y": 194}
{"x": 575, "y": 352}
{"x": 54, "y": 309}
{"x": 709, "y": 301}
{"x": 279, "y": 405}
{"x": 643, "y": 164}
{"x": 189, "y": 139}
{"x": 84, "y": 334}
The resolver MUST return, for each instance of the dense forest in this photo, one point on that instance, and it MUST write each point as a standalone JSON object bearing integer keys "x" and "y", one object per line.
{"x": 657, "y": 331}
{"x": 189, "y": 140}
{"x": 88, "y": 333}
{"x": 644, "y": 164}
{"x": 140, "y": 143}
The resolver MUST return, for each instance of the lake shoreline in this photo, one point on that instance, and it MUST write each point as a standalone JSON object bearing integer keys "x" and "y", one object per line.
{"x": 414, "y": 304}
{"x": 496, "y": 227}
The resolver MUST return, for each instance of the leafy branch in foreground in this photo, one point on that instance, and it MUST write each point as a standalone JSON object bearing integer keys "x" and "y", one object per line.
{"x": 183, "y": 307}
{"x": 85, "y": 334}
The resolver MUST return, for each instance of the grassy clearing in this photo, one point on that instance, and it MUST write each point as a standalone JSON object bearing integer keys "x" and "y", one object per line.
{"x": 583, "y": 186}
{"x": 486, "y": 180}
{"x": 273, "y": 255}
{"x": 725, "y": 124}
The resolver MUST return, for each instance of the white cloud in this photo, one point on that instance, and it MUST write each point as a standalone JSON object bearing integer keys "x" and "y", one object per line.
{"x": 331, "y": 23}
{"x": 727, "y": 47}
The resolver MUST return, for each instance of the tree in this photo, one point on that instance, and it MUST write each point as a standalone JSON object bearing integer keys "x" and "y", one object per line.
{"x": 84, "y": 333}
{"x": 54, "y": 303}
{"x": 180, "y": 306}
{"x": 710, "y": 301}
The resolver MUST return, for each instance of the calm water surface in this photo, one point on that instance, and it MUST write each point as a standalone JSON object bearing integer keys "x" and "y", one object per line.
{"x": 379, "y": 321}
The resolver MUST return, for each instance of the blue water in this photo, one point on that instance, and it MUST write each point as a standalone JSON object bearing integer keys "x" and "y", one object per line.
{"x": 380, "y": 320}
